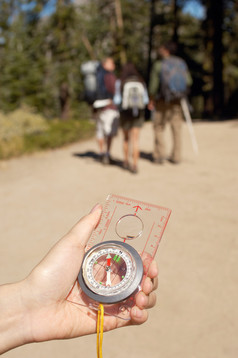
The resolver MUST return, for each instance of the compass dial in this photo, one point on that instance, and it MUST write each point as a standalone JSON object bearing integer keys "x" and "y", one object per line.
{"x": 111, "y": 271}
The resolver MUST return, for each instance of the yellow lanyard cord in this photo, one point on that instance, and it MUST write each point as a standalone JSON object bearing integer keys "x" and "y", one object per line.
{"x": 100, "y": 330}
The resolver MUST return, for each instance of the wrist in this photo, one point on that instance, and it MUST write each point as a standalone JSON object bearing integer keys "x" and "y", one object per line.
{"x": 13, "y": 318}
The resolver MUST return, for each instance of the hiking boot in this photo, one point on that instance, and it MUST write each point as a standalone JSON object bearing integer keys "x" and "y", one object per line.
{"x": 125, "y": 166}
{"x": 173, "y": 161}
{"x": 134, "y": 170}
{"x": 158, "y": 161}
{"x": 106, "y": 160}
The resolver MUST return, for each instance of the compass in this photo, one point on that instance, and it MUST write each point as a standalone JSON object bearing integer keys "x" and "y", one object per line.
{"x": 111, "y": 272}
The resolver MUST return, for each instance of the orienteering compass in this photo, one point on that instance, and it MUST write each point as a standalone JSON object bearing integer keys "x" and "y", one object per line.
{"x": 111, "y": 272}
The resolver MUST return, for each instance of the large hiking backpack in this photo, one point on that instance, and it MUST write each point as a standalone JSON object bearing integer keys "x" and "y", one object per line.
{"x": 89, "y": 72}
{"x": 94, "y": 85}
{"x": 173, "y": 78}
{"x": 133, "y": 96}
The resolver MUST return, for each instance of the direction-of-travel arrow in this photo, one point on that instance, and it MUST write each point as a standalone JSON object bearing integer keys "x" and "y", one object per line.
{"x": 137, "y": 207}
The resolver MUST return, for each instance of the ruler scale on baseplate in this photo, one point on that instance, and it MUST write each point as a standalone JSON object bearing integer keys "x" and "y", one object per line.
{"x": 119, "y": 252}
{"x": 145, "y": 224}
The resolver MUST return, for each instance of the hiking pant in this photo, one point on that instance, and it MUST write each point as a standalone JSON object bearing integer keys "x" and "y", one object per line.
{"x": 167, "y": 113}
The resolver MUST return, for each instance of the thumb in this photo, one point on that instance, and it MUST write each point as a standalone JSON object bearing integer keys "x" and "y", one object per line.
{"x": 69, "y": 251}
{"x": 81, "y": 232}
{"x": 62, "y": 263}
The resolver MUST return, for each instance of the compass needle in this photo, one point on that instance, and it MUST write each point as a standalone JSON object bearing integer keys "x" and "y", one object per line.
{"x": 108, "y": 282}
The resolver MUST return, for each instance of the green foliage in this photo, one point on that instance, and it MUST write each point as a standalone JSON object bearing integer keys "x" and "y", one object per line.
{"x": 14, "y": 126}
{"x": 105, "y": 36}
{"x": 39, "y": 54}
{"x": 24, "y": 131}
{"x": 21, "y": 121}
{"x": 60, "y": 133}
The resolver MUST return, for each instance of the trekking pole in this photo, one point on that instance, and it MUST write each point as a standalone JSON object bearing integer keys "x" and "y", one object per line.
{"x": 188, "y": 119}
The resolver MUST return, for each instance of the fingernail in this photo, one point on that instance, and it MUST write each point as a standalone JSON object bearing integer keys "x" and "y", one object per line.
{"x": 96, "y": 207}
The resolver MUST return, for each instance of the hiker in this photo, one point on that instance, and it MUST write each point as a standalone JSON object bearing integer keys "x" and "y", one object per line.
{"x": 134, "y": 98}
{"x": 38, "y": 308}
{"x": 99, "y": 88}
{"x": 106, "y": 113}
{"x": 169, "y": 82}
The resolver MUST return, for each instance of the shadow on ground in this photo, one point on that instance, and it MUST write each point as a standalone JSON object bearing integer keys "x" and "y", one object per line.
{"x": 114, "y": 161}
{"x": 95, "y": 157}
{"x": 147, "y": 156}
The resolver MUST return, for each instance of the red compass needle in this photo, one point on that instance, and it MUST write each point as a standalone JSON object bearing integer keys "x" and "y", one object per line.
{"x": 109, "y": 260}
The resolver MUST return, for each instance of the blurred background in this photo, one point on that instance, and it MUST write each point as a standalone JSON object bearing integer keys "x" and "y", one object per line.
{"x": 43, "y": 44}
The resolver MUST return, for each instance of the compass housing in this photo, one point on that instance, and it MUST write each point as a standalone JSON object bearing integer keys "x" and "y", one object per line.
{"x": 114, "y": 282}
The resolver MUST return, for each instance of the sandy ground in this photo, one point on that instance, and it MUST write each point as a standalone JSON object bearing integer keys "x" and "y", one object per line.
{"x": 43, "y": 195}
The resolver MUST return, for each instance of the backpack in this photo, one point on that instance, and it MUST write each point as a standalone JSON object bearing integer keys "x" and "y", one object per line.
{"x": 173, "y": 78}
{"x": 133, "y": 96}
{"x": 89, "y": 71}
{"x": 94, "y": 85}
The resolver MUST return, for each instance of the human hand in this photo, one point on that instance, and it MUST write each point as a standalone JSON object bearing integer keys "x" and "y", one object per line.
{"x": 151, "y": 105}
{"x": 46, "y": 314}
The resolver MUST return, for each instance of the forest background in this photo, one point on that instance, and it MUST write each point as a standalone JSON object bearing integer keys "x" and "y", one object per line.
{"x": 43, "y": 44}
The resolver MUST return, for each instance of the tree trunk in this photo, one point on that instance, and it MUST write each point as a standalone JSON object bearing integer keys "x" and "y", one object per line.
{"x": 88, "y": 47}
{"x": 218, "y": 85}
{"x": 175, "y": 22}
{"x": 64, "y": 98}
{"x": 120, "y": 25}
{"x": 150, "y": 45}
{"x": 215, "y": 22}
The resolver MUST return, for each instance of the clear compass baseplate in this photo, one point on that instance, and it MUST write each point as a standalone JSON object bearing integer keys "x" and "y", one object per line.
{"x": 118, "y": 254}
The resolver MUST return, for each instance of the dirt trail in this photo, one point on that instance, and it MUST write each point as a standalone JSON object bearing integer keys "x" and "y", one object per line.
{"x": 196, "y": 316}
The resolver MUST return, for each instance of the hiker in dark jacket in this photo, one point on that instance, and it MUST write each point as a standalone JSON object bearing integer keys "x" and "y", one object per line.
{"x": 107, "y": 115}
{"x": 134, "y": 99}
{"x": 169, "y": 82}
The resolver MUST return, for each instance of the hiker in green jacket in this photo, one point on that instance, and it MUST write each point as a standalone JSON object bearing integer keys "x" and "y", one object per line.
{"x": 169, "y": 82}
